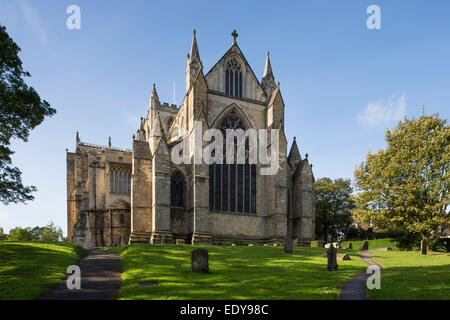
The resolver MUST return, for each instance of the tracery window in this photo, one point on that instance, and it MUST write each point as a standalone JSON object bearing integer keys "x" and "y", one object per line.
{"x": 232, "y": 187}
{"x": 177, "y": 190}
{"x": 233, "y": 79}
{"x": 120, "y": 179}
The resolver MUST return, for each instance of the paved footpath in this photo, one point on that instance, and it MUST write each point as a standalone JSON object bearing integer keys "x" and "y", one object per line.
{"x": 355, "y": 289}
{"x": 100, "y": 279}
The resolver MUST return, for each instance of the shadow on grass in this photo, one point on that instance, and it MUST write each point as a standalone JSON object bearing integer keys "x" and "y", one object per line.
{"x": 415, "y": 283}
{"x": 27, "y": 269}
{"x": 235, "y": 273}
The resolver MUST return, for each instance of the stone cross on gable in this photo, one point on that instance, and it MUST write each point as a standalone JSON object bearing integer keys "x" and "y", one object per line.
{"x": 235, "y": 35}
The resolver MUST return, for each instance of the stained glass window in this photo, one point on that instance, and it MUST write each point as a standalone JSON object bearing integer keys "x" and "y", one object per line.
{"x": 120, "y": 179}
{"x": 177, "y": 191}
{"x": 233, "y": 79}
{"x": 232, "y": 187}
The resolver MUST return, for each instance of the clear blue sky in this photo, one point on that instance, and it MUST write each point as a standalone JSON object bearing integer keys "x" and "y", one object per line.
{"x": 342, "y": 84}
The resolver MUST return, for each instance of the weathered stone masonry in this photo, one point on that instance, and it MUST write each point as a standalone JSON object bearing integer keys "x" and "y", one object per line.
{"x": 117, "y": 196}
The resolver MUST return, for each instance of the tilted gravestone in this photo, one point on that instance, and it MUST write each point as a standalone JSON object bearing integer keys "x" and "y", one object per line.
{"x": 365, "y": 246}
{"x": 199, "y": 261}
{"x": 288, "y": 247}
{"x": 339, "y": 256}
{"x": 331, "y": 257}
{"x": 424, "y": 246}
{"x": 350, "y": 245}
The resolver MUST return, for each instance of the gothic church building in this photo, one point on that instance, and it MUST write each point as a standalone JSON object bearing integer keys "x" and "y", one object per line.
{"x": 117, "y": 196}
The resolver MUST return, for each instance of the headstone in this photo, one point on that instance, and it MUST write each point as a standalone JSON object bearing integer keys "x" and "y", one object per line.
{"x": 265, "y": 244}
{"x": 424, "y": 246}
{"x": 339, "y": 256}
{"x": 331, "y": 257}
{"x": 199, "y": 261}
{"x": 337, "y": 245}
{"x": 350, "y": 245}
{"x": 180, "y": 241}
{"x": 385, "y": 249}
{"x": 250, "y": 245}
{"x": 365, "y": 246}
{"x": 288, "y": 247}
{"x": 233, "y": 245}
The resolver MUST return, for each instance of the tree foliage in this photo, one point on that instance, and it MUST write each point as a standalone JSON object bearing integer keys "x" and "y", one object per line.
{"x": 405, "y": 188}
{"x": 47, "y": 233}
{"x": 333, "y": 208}
{"x": 21, "y": 110}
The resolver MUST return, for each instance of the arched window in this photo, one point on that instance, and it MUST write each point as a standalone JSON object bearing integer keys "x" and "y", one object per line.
{"x": 233, "y": 79}
{"x": 122, "y": 219}
{"x": 232, "y": 187}
{"x": 120, "y": 179}
{"x": 177, "y": 190}
{"x": 169, "y": 124}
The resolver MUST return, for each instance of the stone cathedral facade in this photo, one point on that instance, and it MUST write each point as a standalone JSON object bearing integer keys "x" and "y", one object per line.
{"x": 117, "y": 196}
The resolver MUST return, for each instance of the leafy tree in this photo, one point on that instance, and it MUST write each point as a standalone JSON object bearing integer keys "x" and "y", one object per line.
{"x": 405, "y": 188}
{"x": 21, "y": 110}
{"x": 333, "y": 208}
{"x": 20, "y": 234}
{"x": 50, "y": 232}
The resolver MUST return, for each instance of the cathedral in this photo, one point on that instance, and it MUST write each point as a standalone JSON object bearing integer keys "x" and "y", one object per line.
{"x": 118, "y": 196}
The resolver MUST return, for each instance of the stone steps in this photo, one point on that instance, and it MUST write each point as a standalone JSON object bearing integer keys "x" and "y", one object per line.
{"x": 140, "y": 237}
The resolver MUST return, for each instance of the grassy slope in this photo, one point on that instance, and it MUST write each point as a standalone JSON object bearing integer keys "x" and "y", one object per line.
{"x": 236, "y": 273}
{"x": 27, "y": 269}
{"x": 379, "y": 243}
{"x": 410, "y": 275}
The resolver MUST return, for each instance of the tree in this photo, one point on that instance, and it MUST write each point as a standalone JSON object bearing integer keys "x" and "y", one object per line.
{"x": 333, "y": 208}
{"x": 20, "y": 234}
{"x": 405, "y": 188}
{"x": 50, "y": 232}
{"x": 21, "y": 110}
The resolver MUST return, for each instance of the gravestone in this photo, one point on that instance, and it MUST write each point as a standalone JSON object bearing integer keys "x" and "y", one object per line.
{"x": 265, "y": 244}
{"x": 339, "y": 256}
{"x": 233, "y": 245}
{"x": 350, "y": 245}
{"x": 180, "y": 241}
{"x": 199, "y": 261}
{"x": 331, "y": 257}
{"x": 424, "y": 246}
{"x": 250, "y": 244}
{"x": 288, "y": 247}
{"x": 337, "y": 245}
{"x": 365, "y": 246}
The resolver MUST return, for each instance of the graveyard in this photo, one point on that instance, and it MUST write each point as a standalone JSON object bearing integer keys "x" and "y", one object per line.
{"x": 164, "y": 272}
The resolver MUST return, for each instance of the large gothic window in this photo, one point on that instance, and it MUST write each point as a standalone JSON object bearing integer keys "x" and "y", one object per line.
{"x": 120, "y": 179}
{"x": 177, "y": 190}
{"x": 233, "y": 79}
{"x": 232, "y": 187}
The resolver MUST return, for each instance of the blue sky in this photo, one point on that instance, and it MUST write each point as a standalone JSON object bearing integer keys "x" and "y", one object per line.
{"x": 342, "y": 83}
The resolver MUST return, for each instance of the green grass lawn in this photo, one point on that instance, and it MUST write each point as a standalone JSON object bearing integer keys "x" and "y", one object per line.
{"x": 27, "y": 269}
{"x": 235, "y": 273}
{"x": 379, "y": 243}
{"x": 410, "y": 275}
